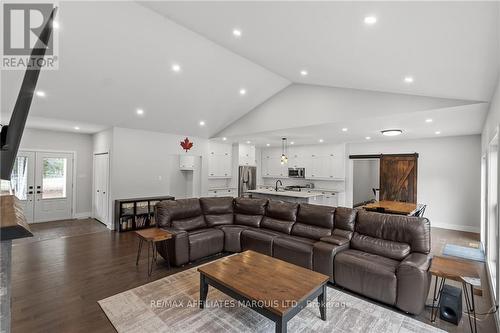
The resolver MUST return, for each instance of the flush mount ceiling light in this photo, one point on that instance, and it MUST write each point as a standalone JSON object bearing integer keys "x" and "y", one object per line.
{"x": 237, "y": 33}
{"x": 408, "y": 79}
{"x": 392, "y": 132}
{"x": 304, "y": 72}
{"x": 284, "y": 155}
{"x": 243, "y": 92}
{"x": 176, "y": 68}
{"x": 139, "y": 112}
{"x": 428, "y": 120}
{"x": 202, "y": 123}
{"x": 40, "y": 93}
{"x": 370, "y": 20}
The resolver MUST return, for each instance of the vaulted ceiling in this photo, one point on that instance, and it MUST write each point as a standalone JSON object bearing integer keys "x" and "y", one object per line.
{"x": 116, "y": 57}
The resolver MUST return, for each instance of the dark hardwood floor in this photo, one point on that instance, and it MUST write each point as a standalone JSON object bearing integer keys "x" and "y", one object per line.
{"x": 60, "y": 274}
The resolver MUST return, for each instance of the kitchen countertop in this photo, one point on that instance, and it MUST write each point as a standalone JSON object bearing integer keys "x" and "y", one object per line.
{"x": 294, "y": 194}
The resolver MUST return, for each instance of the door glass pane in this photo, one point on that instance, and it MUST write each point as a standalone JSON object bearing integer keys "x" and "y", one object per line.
{"x": 54, "y": 178}
{"x": 19, "y": 177}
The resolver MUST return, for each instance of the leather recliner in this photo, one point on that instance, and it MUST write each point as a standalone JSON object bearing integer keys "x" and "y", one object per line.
{"x": 384, "y": 257}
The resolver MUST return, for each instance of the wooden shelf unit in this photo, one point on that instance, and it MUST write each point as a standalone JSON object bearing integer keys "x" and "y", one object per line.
{"x": 136, "y": 213}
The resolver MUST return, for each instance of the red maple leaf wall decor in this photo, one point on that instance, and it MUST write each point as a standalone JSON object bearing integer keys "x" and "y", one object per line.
{"x": 186, "y": 144}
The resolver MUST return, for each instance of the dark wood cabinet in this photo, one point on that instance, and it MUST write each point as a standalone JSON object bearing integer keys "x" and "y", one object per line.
{"x": 136, "y": 213}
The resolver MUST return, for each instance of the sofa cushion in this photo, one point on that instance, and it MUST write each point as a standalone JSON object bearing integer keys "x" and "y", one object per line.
{"x": 205, "y": 242}
{"x": 382, "y": 247}
{"x": 345, "y": 218}
{"x": 232, "y": 237}
{"x": 250, "y": 206}
{"x": 313, "y": 221}
{"x": 295, "y": 250}
{"x": 336, "y": 240}
{"x": 281, "y": 210}
{"x": 414, "y": 231}
{"x": 323, "y": 257}
{"x": 190, "y": 223}
{"x": 258, "y": 240}
{"x": 217, "y": 211}
{"x": 169, "y": 210}
{"x": 249, "y": 212}
{"x": 368, "y": 274}
{"x": 277, "y": 225}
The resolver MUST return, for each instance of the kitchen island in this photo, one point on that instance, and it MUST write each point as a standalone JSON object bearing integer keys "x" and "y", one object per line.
{"x": 290, "y": 196}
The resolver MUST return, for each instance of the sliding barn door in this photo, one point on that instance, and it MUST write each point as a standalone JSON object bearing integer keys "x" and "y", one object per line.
{"x": 398, "y": 178}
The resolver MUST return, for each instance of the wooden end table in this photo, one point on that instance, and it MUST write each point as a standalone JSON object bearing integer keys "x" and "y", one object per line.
{"x": 152, "y": 236}
{"x": 459, "y": 270}
{"x": 274, "y": 288}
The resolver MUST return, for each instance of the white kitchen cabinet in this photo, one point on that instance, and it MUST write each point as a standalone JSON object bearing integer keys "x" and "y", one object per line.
{"x": 186, "y": 162}
{"x": 272, "y": 167}
{"x": 219, "y": 161}
{"x": 223, "y": 192}
{"x": 247, "y": 155}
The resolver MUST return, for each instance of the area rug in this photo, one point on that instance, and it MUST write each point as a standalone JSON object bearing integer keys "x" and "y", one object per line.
{"x": 171, "y": 305}
{"x": 463, "y": 252}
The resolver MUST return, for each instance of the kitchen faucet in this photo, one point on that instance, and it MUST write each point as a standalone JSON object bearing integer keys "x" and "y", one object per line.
{"x": 276, "y": 188}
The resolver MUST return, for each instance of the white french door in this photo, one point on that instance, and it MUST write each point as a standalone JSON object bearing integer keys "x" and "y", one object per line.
{"x": 43, "y": 183}
{"x": 101, "y": 195}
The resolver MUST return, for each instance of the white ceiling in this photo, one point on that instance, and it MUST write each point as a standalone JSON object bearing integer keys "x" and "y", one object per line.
{"x": 450, "y": 48}
{"x": 116, "y": 57}
{"x": 122, "y": 59}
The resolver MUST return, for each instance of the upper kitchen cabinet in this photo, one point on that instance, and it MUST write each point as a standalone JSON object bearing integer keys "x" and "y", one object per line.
{"x": 271, "y": 164}
{"x": 246, "y": 154}
{"x": 327, "y": 163}
{"x": 219, "y": 160}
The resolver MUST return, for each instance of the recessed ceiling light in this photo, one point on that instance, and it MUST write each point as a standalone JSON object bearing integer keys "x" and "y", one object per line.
{"x": 237, "y": 33}
{"x": 370, "y": 20}
{"x": 224, "y": 139}
{"x": 243, "y": 92}
{"x": 392, "y": 132}
{"x": 438, "y": 132}
{"x": 55, "y": 24}
{"x": 428, "y": 120}
{"x": 40, "y": 93}
{"x": 292, "y": 143}
{"x": 140, "y": 112}
{"x": 202, "y": 123}
{"x": 304, "y": 72}
{"x": 268, "y": 144}
{"x": 176, "y": 68}
{"x": 344, "y": 129}
{"x": 321, "y": 140}
{"x": 368, "y": 138}
{"x": 76, "y": 127}
{"x": 249, "y": 142}
{"x": 408, "y": 79}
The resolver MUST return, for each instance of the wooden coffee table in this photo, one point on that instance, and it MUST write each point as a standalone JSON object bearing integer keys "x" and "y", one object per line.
{"x": 152, "y": 236}
{"x": 274, "y": 288}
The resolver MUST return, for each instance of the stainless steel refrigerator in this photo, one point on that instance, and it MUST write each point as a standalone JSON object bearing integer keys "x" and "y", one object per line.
{"x": 247, "y": 180}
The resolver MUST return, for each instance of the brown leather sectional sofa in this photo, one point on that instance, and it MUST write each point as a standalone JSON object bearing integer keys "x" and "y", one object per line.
{"x": 384, "y": 257}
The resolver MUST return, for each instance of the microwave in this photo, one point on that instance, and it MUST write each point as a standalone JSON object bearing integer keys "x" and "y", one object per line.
{"x": 296, "y": 172}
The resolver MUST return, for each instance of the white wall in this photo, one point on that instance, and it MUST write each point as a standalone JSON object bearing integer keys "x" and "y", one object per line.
{"x": 366, "y": 176}
{"x": 448, "y": 177}
{"x": 81, "y": 144}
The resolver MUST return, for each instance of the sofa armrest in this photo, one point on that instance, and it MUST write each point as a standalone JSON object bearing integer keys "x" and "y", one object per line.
{"x": 179, "y": 252}
{"x": 323, "y": 256}
{"x": 414, "y": 280}
{"x": 335, "y": 240}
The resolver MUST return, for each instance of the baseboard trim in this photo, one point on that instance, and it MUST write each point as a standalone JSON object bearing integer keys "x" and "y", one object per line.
{"x": 84, "y": 215}
{"x": 459, "y": 227}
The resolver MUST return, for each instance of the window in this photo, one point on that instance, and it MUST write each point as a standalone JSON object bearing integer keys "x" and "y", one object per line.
{"x": 54, "y": 178}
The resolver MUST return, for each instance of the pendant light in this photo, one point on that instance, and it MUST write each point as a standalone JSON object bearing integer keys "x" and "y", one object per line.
{"x": 284, "y": 155}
